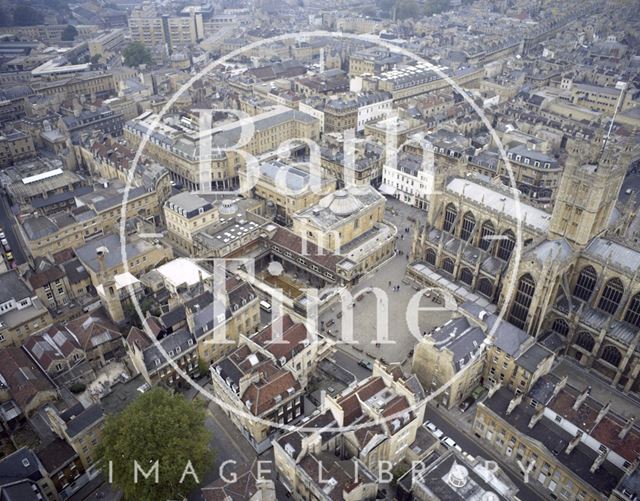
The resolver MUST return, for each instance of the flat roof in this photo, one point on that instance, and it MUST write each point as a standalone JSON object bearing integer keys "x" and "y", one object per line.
{"x": 42, "y": 175}
{"x": 183, "y": 271}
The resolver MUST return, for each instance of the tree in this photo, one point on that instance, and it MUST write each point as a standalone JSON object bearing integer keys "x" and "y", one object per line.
{"x": 136, "y": 54}
{"x": 24, "y": 15}
{"x": 95, "y": 59}
{"x": 165, "y": 436}
{"x": 203, "y": 367}
{"x": 69, "y": 34}
{"x": 406, "y": 9}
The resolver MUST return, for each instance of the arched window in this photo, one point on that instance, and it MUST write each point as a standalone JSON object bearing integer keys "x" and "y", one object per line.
{"x": 468, "y": 223}
{"x": 560, "y": 326}
{"x": 466, "y": 275}
{"x": 430, "y": 256}
{"x": 586, "y": 283}
{"x": 522, "y": 301}
{"x": 450, "y": 218}
{"x": 448, "y": 265}
{"x": 612, "y": 355}
{"x": 611, "y": 296}
{"x": 633, "y": 311}
{"x": 507, "y": 243}
{"x": 486, "y": 232}
{"x": 585, "y": 341}
{"x": 485, "y": 287}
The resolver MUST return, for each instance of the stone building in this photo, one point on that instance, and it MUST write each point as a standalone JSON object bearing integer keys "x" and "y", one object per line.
{"x": 383, "y": 414}
{"x": 176, "y": 143}
{"x": 567, "y": 441}
{"x": 288, "y": 187}
{"x": 477, "y": 348}
{"x": 576, "y": 276}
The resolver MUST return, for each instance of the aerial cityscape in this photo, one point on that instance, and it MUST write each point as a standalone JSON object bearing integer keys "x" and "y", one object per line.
{"x": 332, "y": 250}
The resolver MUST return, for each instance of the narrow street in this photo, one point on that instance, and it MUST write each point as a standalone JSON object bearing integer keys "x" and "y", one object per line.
{"x": 7, "y": 222}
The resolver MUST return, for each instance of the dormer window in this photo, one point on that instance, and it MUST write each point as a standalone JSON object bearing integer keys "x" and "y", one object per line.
{"x": 526, "y": 161}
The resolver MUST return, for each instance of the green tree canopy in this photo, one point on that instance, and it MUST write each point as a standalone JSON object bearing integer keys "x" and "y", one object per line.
{"x": 162, "y": 427}
{"x": 136, "y": 54}
{"x": 24, "y": 15}
{"x": 69, "y": 33}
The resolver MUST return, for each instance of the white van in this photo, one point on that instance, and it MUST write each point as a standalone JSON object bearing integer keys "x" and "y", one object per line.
{"x": 265, "y": 306}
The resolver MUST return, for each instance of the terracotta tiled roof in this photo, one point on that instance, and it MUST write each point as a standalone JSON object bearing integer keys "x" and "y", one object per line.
{"x": 584, "y": 417}
{"x": 262, "y": 394}
{"x": 350, "y": 403}
{"x": 138, "y": 338}
{"x": 45, "y": 277}
{"x": 606, "y": 432}
{"x": 54, "y": 344}
{"x": 291, "y": 341}
{"x": 289, "y": 240}
{"x": 63, "y": 256}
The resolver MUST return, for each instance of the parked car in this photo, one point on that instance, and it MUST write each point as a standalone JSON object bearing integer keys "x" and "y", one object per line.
{"x": 9, "y": 256}
{"x": 366, "y": 364}
{"x": 2, "y": 235}
{"x": 438, "y": 433}
{"x": 4, "y": 242}
{"x": 448, "y": 442}
{"x": 466, "y": 403}
{"x": 264, "y": 305}
{"x": 430, "y": 426}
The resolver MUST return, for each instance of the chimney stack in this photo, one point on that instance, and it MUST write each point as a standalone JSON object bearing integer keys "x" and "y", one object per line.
{"x": 101, "y": 252}
{"x": 581, "y": 398}
{"x": 627, "y": 427}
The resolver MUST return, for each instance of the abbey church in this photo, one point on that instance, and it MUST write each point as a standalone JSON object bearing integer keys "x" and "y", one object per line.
{"x": 572, "y": 277}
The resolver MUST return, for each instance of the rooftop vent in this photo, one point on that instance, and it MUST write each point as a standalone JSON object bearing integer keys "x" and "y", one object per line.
{"x": 458, "y": 476}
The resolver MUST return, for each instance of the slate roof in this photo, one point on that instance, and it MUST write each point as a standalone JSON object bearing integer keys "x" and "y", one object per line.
{"x": 87, "y": 417}
{"x": 56, "y": 455}
{"x": 23, "y": 377}
{"x": 459, "y": 337}
{"x": 498, "y": 201}
{"x": 87, "y": 253}
{"x": 554, "y": 438}
{"x": 93, "y": 329}
{"x": 12, "y": 287}
{"x": 38, "y": 227}
{"x": 19, "y": 465}
{"x": 175, "y": 345}
{"x": 603, "y": 249}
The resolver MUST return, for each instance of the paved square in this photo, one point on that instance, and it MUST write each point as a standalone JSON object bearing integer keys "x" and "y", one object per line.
{"x": 394, "y": 305}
